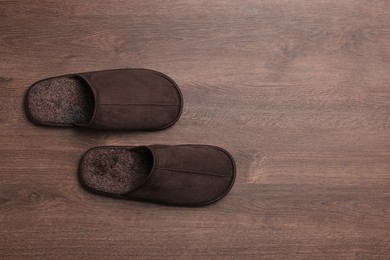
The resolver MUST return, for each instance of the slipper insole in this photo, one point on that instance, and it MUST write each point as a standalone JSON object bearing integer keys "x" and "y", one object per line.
{"x": 60, "y": 101}
{"x": 115, "y": 171}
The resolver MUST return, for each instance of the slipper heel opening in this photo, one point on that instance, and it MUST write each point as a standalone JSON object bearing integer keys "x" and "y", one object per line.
{"x": 60, "y": 101}
{"x": 116, "y": 171}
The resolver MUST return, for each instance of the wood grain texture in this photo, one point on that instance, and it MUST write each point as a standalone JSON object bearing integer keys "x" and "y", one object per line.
{"x": 298, "y": 91}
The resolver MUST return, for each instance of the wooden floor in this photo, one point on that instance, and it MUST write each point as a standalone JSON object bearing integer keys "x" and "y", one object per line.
{"x": 298, "y": 91}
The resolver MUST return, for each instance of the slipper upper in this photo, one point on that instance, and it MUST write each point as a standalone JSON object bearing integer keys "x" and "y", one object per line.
{"x": 133, "y": 99}
{"x": 187, "y": 175}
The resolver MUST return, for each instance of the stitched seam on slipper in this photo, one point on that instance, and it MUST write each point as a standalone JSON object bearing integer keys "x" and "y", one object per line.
{"x": 140, "y": 104}
{"x": 187, "y": 171}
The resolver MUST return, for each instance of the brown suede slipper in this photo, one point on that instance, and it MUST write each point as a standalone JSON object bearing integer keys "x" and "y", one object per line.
{"x": 186, "y": 175}
{"x": 128, "y": 99}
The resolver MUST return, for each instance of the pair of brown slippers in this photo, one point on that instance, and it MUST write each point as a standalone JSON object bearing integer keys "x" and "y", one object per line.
{"x": 133, "y": 99}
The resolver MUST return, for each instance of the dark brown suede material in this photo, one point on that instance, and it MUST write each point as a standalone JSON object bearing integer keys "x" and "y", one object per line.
{"x": 124, "y": 99}
{"x": 187, "y": 175}
{"x": 134, "y": 99}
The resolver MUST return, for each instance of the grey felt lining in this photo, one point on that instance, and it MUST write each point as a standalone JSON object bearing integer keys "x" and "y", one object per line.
{"x": 60, "y": 101}
{"x": 115, "y": 171}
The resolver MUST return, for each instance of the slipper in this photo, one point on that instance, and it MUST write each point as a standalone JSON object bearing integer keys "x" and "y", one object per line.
{"x": 186, "y": 175}
{"x": 129, "y": 99}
